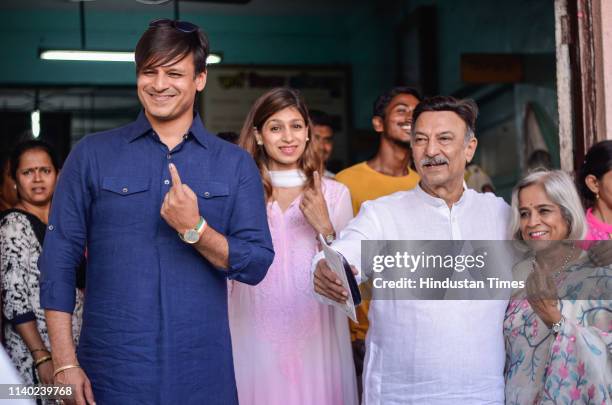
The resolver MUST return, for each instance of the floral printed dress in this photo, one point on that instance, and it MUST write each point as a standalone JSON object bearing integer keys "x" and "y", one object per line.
{"x": 21, "y": 236}
{"x": 575, "y": 366}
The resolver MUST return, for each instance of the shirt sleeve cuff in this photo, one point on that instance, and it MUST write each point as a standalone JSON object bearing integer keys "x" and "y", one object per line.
{"x": 321, "y": 255}
{"x": 22, "y": 318}
{"x": 57, "y": 296}
{"x": 238, "y": 255}
{"x": 247, "y": 263}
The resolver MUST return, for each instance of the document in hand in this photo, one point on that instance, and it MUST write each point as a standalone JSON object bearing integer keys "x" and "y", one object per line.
{"x": 340, "y": 266}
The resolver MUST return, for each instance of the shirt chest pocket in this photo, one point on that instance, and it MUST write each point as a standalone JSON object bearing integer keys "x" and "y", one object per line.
{"x": 213, "y": 198}
{"x": 124, "y": 201}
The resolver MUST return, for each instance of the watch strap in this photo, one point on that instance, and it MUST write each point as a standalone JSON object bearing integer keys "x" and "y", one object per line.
{"x": 199, "y": 228}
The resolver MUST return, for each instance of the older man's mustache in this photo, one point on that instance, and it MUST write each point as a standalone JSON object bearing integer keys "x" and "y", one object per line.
{"x": 436, "y": 160}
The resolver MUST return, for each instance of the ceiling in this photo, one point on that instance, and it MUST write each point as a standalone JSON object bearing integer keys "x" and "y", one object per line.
{"x": 194, "y": 6}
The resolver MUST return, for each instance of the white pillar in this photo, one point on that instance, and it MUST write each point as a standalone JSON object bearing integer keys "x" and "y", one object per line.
{"x": 602, "y": 27}
{"x": 564, "y": 87}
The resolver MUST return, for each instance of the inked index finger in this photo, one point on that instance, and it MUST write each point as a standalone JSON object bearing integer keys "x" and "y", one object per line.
{"x": 176, "y": 179}
{"x": 317, "y": 181}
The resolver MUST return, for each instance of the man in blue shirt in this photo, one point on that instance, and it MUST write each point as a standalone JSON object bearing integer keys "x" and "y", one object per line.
{"x": 168, "y": 212}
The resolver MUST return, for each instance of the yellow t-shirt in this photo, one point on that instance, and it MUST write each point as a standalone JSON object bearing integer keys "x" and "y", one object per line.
{"x": 365, "y": 184}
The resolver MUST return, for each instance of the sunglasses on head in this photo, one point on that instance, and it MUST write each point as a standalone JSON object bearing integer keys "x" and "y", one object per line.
{"x": 182, "y": 26}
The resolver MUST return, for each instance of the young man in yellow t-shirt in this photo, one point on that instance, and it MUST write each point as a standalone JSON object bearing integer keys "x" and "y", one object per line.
{"x": 387, "y": 172}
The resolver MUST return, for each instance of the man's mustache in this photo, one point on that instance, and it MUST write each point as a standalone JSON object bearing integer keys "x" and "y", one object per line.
{"x": 436, "y": 160}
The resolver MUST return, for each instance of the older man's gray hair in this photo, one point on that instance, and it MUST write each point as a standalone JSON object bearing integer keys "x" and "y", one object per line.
{"x": 466, "y": 109}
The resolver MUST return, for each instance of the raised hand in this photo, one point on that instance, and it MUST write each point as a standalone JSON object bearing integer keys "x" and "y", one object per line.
{"x": 543, "y": 296}
{"x": 314, "y": 208}
{"x": 180, "y": 206}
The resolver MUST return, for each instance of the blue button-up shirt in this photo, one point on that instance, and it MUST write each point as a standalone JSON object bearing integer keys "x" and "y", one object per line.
{"x": 155, "y": 327}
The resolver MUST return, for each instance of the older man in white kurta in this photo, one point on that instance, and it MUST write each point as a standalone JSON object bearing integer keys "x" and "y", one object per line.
{"x": 431, "y": 352}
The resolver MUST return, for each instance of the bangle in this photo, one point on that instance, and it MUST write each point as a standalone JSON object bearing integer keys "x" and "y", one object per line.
{"x": 42, "y": 360}
{"x": 39, "y": 350}
{"x": 69, "y": 366}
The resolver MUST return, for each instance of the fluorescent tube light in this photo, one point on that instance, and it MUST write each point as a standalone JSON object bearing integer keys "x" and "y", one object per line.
{"x": 35, "y": 120}
{"x": 95, "y": 56}
{"x": 103, "y": 56}
{"x": 213, "y": 58}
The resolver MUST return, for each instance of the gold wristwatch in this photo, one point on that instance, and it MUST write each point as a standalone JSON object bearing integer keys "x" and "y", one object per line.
{"x": 193, "y": 235}
{"x": 329, "y": 238}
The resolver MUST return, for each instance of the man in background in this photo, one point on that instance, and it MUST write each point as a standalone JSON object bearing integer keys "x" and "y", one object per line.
{"x": 390, "y": 168}
{"x": 323, "y": 132}
{"x": 8, "y": 189}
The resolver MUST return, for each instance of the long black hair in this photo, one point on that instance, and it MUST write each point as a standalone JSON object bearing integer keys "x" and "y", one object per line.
{"x": 598, "y": 162}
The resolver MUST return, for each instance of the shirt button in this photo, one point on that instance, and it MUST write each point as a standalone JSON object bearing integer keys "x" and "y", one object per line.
{"x": 169, "y": 156}
{"x": 125, "y": 190}
{"x": 51, "y": 227}
{"x": 207, "y": 194}
{"x": 166, "y": 182}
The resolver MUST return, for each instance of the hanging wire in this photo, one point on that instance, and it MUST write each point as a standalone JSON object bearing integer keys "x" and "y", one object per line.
{"x": 82, "y": 21}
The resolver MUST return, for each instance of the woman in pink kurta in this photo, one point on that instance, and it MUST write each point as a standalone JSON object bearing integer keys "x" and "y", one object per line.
{"x": 288, "y": 348}
{"x": 595, "y": 185}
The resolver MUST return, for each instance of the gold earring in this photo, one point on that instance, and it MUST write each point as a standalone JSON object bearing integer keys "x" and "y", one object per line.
{"x": 259, "y": 142}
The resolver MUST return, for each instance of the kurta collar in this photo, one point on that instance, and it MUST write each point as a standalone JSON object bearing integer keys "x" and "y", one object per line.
{"x": 435, "y": 201}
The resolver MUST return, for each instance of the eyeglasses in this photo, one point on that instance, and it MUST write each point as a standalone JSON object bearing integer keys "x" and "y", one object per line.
{"x": 182, "y": 26}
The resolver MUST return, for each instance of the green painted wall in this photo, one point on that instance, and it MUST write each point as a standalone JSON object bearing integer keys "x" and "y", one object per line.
{"x": 361, "y": 36}
{"x": 282, "y": 40}
{"x": 488, "y": 26}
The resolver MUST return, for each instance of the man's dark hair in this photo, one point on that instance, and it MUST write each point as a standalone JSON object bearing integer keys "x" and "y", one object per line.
{"x": 25, "y": 146}
{"x": 4, "y": 162}
{"x": 318, "y": 117}
{"x": 466, "y": 109}
{"x": 162, "y": 44}
{"x": 383, "y": 100}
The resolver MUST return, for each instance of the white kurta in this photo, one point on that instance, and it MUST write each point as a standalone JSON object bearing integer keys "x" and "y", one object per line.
{"x": 431, "y": 352}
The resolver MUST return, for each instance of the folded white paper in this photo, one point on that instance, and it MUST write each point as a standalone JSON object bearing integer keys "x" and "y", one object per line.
{"x": 334, "y": 261}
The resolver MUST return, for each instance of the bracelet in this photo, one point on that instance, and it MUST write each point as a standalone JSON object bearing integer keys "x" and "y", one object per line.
{"x": 42, "y": 360}
{"x": 557, "y": 326}
{"x": 39, "y": 350}
{"x": 69, "y": 366}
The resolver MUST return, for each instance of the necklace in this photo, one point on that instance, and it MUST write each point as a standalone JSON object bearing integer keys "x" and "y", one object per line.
{"x": 566, "y": 261}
